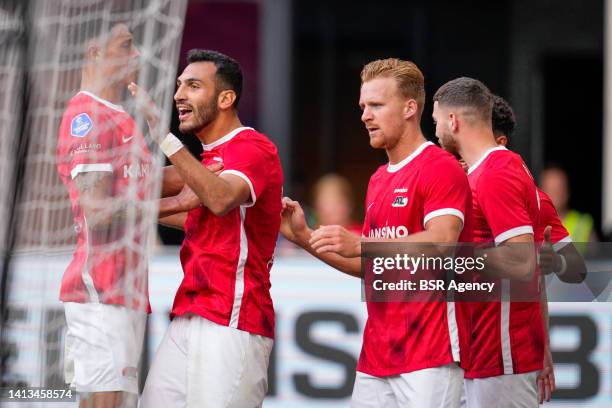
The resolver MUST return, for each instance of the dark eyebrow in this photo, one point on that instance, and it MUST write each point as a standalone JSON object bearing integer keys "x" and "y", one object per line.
{"x": 189, "y": 80}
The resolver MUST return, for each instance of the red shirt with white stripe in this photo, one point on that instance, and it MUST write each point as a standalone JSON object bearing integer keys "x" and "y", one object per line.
{"x": 508, "y": 337}
{"x": 401, "y": 337}
{"x": 226, "y": 260}
{"x": 96, "y": 135}
{"x": 559, "y": 236}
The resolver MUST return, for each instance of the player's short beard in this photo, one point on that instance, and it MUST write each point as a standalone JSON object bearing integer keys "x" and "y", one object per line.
{"x": 203, "y": 115}
{"x": 450, "y": 144}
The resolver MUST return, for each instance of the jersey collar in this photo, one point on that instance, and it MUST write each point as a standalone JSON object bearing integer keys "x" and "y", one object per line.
{"x": 484, "y": 156}
{"x": 392, "y": 168}
{"x": 225, "y": 138}
{"x": 111, "y": 105}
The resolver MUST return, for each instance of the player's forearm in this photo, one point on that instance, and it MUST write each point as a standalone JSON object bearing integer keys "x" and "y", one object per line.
{"x": 172, "y": 183}
{"x": 350, "y": 266}
{"x": 174, "y": 221}
{"x": 169, "y": 206}
{"x": 214, "y": 192}
{"x": 110, "y": 212}
{"x": 512, "y": 261}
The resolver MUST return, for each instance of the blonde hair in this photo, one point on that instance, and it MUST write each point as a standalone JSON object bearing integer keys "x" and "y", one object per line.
{"x": 408, "y": 76}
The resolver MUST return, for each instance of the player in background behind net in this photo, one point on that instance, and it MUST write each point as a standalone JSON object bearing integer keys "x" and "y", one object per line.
{"x": 507, "y": 341}
{"x": 410, "y": 349}
{"x": 216, "y": 350}
{"x": 104, "y": 162}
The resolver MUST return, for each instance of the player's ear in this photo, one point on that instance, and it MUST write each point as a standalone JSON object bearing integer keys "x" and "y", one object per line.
{"x": 93, "y": 51}
{"x": 410, "y": 108}
{"x": 226, "y": 99}
{"x": 502, "y": 140}
{"x": 453, "y": 123}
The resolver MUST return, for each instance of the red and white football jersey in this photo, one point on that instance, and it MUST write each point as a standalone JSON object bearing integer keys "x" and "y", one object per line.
{"x": 108, "y": 266}
{"x": 507, "y": 337}
{"x": 559, "y": 236}
{"x": 226, "y": 260}
{"x": 401, "y": 337}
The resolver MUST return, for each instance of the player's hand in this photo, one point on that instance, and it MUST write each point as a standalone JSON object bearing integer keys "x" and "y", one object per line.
{"x": 337, "y": 239}
{"x": 546, "y": 378}
{"x": 547, "y": 253}
{"x": 147, "y": 107}
{"x": 187, "y": 199}
{"x": 293, "y": 222}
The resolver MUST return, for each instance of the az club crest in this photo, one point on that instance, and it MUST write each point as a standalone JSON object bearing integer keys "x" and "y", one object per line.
{"x": 81, "y": 125}
{"x": 400, "y": 201}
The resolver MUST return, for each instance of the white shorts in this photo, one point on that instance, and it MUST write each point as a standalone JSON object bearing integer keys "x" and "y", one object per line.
{"x": 502, "y": 391}
{"x": 103, "y": 346}
{"x": 202, "y": 364}
{"x": 438, "y": 387}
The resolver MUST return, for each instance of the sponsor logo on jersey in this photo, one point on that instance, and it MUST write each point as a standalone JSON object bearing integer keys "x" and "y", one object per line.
{"x": 400, "y": 201}
{"x": 136, "y": 170}
{"x": 401, "y": 190}
{"x": 126, "y": 138}
{"x": 390, "y": 232}
{"x": 86, "y": 148}
{"x": 81, "y": 125}
{"x": 218, "y": 159}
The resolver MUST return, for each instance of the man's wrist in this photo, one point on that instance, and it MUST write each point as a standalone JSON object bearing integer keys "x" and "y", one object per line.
{"x": 170, "y": 145}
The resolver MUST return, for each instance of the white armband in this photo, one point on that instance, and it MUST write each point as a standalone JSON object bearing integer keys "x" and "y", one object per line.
{"x": 170, "y": 145}
{"x": 563, "y": 266}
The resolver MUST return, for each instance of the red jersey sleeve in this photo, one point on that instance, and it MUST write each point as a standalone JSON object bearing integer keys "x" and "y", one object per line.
{"x": 89, "y": 141}
{"x": 559, "y": 236}
{"x": 501, "y": 196}
{"x": 446, "y": 190}
{"x": 250, "y": 159}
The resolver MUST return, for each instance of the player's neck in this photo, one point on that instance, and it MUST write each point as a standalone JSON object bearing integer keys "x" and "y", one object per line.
{"x": 221, "y": 126}
{"x": 475, "y": 145}
{"x": 113, "y": 94}
{"x": 407, "y": 145}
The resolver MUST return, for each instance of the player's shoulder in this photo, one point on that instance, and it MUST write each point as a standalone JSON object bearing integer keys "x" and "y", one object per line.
{"x": 379, "y": 174}
{"x": 503, "y": 159}
{"x": 437, "y": 162}
{"x": 254, "y": 138}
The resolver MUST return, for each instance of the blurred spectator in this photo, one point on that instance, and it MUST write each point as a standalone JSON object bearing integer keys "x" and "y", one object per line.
{"x": 554, "y": 182}
{"x": 332, "y": 202}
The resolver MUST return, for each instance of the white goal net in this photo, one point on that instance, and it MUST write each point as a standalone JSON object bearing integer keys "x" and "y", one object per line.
{"x": 64, "y": 108}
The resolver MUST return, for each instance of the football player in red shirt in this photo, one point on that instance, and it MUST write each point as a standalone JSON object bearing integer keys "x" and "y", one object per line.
{"x": 410, "y": 349}
{"x": 507, "y": 342}
{"x": 557, "y": 254}
{"x": 217, "y": 348}
{"x": 102, "y": 157}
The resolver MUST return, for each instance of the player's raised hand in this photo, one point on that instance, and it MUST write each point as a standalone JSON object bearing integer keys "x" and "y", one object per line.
{"x": 293, "y": 222}
{"x": 547, "y": 253}
{"x": 546, "y": 378}
{"x": 337, "y": 239}
{"x": 147, "y": 107}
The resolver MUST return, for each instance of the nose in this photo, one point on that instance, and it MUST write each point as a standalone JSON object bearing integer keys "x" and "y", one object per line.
{"x": 178, "y": 95}
{"x": 366, "y": 115}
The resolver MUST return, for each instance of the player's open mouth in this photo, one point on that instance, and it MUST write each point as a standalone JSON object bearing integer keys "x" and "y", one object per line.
{"x": 184, "y": 113}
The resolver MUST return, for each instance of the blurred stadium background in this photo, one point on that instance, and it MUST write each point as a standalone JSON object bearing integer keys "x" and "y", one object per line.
{"x": 301, "y": 60}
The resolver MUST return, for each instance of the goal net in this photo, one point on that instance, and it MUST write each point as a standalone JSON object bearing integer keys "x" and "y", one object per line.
{"x": 51, "y": 51}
